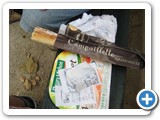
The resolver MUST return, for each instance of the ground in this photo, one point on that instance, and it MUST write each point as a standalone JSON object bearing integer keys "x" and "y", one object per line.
{"x": 20, "y": 47}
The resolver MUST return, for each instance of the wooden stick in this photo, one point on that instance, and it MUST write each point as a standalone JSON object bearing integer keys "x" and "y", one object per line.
{"x": 44, "y": 36}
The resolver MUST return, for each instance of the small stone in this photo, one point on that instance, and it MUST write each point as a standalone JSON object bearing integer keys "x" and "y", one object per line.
{"x": 27, "y": 85}
{"x": 34, "y": 82}
{"x": 37, "y": 78}
{"x": 22, "y": 78}
{"x": 28, "y": 55}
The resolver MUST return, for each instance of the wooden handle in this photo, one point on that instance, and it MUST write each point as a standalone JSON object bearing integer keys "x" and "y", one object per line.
{"x": 44, "y": 36}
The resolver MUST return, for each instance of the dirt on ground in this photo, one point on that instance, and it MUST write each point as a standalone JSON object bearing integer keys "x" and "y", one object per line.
{"x": 28, "y": 60}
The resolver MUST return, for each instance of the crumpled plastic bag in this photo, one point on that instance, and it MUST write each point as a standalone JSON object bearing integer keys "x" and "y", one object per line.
{"x": 104, "y": 26}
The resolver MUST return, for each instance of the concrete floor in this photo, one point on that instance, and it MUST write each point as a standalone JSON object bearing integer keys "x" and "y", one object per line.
{"x": 21, "y": 47}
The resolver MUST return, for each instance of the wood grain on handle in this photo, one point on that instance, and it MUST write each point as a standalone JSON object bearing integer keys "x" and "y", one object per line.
{"x": 44, "y": 36}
